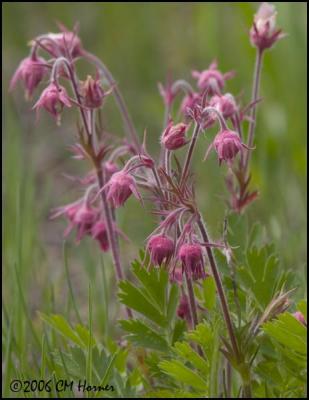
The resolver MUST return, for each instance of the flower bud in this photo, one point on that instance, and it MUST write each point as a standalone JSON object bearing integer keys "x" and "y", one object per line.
{"x": 225, "y": 104}
{"x": 183, "y": 310}
{"x": 120, "y": 187}
{"x": 174, "y": 136}
{"x": 299, "y": 316}
{"x": 99, "y": 232}
{"x": 191, "y": 256}
{"x": 211, "y": 79}
{"x": 53, "y": 99}
{"x": 92, "y": 92}
{"x": 161, "y": 249}
{"x": 31, "y": 71}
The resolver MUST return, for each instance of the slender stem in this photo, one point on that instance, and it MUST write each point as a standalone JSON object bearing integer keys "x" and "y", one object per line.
{"x": 111, "y": 232}
{"x": 193, "y": 311}
{"x": 255, "y": 93}
{"x": 216, "y": 275}
{"x": 119, "y": 99}
{"x": 189, "y": 154}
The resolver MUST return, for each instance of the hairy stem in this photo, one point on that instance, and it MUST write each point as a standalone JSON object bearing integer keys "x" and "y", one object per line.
{"x": 119, "y": 100}
{"x": 216, "y": 275}
{"x": 255, "y": 94}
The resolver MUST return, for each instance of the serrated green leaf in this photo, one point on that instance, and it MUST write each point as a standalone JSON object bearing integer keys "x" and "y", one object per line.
{"x": 179, "y": 329}
{"x": 184, "y": 350}
{"x": 180, "y": 372}
{"x": 132, "y": 297}
{"x": 142, "y": 335}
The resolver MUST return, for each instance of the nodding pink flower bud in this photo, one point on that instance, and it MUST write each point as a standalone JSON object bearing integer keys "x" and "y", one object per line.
{"x": 30, "y": 71}
{"x": 176, "y": 276}
{"x": 211, "y": 79}
{"x": 62, "y": 44}
{"x": 183, "y": 310}
{"x": 93, "y": 92}
{"x": 227, "y": 144}
{"x": 299, "y": 316}
{"x": 189, "y": 102}
{"x": 161, "y": 249}
{"x": 191, "y": 256}
{"x": 225, "y": 104}
{"x": 53, "y": 99}
{"x": 120, "y": 187}
{"x": 99, "y": 232}
{"x": 173, "y": 136}
{"x": 80, "y": 215}
{"x": 263, "y": 33}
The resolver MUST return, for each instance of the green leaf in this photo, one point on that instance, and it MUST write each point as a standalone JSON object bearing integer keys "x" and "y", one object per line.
{"x": 184, "y": 350}
{"x": 58, "y": 323}
{"x": 142, "y": 335}
{"x": 132, "y": 297}
{"x": 172, "y": 302}
{"x": 209, "y": 292}
{"x": 175, "y": 393}
{"x": 180, "y": 372}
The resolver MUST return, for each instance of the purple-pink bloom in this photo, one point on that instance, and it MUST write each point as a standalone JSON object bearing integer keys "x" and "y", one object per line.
{"x": 30, "y": 71}
{"x": 173, "y": 136}
{"x": 191, "y": 256}
{"x": 299, "y": 316}
{"x": 263, "y": 33}
{"x": 227, "y": 144}
{"x": 225, "y": 104}
{"x": 189, "y": 101}
{"x": 99, "y": 232}
{"x": 120, "y": 187}
{"x": 53, "y": 99}
{"x": 161, "y": 249}
{"x": 93, "y": 92}
{"x": 62, "y": 44}
{"x": 183, "y": 310}
{"x": 211, "y": 79}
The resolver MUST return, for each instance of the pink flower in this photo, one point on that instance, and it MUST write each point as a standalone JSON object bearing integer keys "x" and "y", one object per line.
{"x": 227, "y": 144}
{"x": 263, "y": 33}
{"x": 93, "y": 92}
{"x": 99, "y": 232}
{"x": 80, "y": 215}
{"x": 225, "y": 104}
{"x": 53, "y": 99}
{"x": 211, "y": 79}
{"x": 191, "y": 256}
{"x": 161, "y": 249}
{"x": 173, "y": 136}
{"x": 299, "y": 316}
{"x": 30, "y": 71}
{"x": 120, "y": 187}
{"x": 64, "y": 43}
{"x": 183, "y": 310}
{"x": 189, "y": 102}
{"x": 110, "y": 168}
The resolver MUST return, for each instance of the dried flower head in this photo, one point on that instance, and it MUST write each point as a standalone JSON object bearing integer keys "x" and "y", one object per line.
{"x": 263, "y": 33}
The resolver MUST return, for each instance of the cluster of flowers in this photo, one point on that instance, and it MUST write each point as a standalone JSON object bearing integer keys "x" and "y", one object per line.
{"x": 176, "y": 243}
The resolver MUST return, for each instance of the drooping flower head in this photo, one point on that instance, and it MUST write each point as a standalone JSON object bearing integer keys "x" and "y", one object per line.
{"x": 120, "y": 187}
{"x": 53, "y": 99}
{"x": 227, "y": 144}
{"x": 30, "y": 72}
{"x": 64, "y": 43}
{"x": 173, "y": 136}
{"x": 211, "y": 79}
{"x": 225, "y": 104}
{"x": 99, "y": 232}
{"x": 80, "y": 216}
{"x": 183, "y": 310}
{"x": 191, "y": 256}
{"x": 263, "y": 33}
{"x": 189, "y": 102}
{"x": 161, "y": 249}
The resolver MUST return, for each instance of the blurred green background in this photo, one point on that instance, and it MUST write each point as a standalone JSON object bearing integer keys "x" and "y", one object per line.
{"x": 141, "y": 43}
